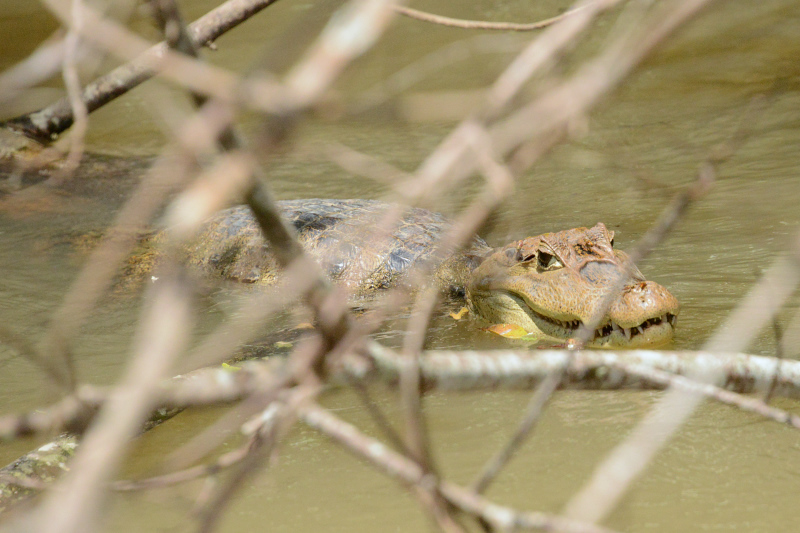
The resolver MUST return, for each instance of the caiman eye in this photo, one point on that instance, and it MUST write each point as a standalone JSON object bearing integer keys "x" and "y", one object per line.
{"x": 546, "y": 261}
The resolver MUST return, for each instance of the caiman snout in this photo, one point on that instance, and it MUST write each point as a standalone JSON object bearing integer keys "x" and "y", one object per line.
{"x": 642, "y": 299}
{"x": 645, "y": 313}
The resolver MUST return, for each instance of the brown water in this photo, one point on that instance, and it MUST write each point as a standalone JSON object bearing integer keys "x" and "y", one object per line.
{"x": 724, "y": 471}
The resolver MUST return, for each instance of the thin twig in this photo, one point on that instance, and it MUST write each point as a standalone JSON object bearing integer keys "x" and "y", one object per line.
{"x": 431, "y": 65}
{"x": 499, "y": 182}
{"x": 492, "y": 468}
{"x": 409, "y": 472}
{"x": 776, "y": 328}
{"x": 670, "y": 216}
{"x": 73, "y": 86}
{"x": 22, "y": 345}
{"x": 452, "y": 161}
{"x": 740, "y": 401}
{"x": 417, "y": 440}
{"x": 376, "y": 413}
{"x": 481, "y": 24}
{"x": 223, "y": 462}
{"x": 269, "y": 431}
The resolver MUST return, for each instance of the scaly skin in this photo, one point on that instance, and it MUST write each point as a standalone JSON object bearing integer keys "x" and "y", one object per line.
{"x": 549, "y": 285}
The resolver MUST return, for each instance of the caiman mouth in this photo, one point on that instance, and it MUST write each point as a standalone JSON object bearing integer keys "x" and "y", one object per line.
{"x": 499, "y": 307}
{"x": 605, "y": 331}
{"x": 653, "y": 330}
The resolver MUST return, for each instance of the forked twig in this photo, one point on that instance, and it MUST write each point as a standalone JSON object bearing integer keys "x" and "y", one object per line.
{"x": 409, "y": 472}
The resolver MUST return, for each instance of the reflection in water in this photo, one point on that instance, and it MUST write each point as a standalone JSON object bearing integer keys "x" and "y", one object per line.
{"x": 723, "y": 470}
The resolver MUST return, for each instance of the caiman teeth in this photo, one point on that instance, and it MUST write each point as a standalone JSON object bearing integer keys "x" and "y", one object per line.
{"x": 611, "y": 327}
{"x": 629, "y": 333}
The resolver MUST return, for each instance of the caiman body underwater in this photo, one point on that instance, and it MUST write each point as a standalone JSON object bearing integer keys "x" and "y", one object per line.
{"x": 550, "y": 284}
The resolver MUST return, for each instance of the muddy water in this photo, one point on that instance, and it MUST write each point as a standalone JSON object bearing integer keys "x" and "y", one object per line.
{"x": 724, "y": 471}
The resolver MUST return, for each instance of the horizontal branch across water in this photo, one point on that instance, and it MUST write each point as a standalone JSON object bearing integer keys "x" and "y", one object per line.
{"x": 466, "y": 370}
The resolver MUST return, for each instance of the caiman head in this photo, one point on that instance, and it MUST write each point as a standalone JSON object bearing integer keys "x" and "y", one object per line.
{"x": 553, "y": 284}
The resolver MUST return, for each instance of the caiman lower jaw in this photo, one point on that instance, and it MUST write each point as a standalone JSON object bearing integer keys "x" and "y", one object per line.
{"x": 655, "y": 330}
{"x": 497, "y": 307}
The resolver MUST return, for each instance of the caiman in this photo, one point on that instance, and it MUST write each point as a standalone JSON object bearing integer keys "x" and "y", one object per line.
{"x": 549, "y": 285}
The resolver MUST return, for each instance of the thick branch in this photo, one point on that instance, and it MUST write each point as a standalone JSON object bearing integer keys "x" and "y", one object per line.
{"x": 591, "y": 369}
{"x": 459, "y": 370}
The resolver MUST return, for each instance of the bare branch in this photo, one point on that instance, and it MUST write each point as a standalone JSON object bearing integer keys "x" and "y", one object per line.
{"x": 432, "y": 65}
{"x": 492, "y": 468}
{"x": 409, "y": 472}
{"x": 73, "y": 84}
{"x": 481, "y": 24}
{"x": 590, "y": 369}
